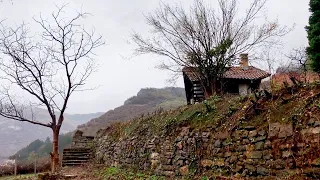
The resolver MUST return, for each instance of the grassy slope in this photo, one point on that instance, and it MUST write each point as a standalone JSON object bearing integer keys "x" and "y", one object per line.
{"x": 145, "y": 102}
{"x": 293, "y": 104}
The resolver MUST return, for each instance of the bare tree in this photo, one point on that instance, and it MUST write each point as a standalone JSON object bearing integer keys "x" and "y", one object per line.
{"x": 207, "y": 39}
{"x": 49, "y": 68}
{"x": 299, "y": 60}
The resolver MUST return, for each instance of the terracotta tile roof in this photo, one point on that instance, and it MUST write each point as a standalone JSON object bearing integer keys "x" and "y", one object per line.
{"x": 248, "y": 73}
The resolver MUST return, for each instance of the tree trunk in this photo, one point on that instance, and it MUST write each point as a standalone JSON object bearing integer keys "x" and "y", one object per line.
{"x": 55, "y": 152}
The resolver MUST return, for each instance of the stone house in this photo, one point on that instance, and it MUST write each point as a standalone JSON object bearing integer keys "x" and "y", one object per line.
{"x": 241, "y": 80}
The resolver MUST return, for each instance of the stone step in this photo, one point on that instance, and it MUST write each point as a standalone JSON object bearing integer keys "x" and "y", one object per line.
{"x": 77, "y": 153}
{"x": 77, "y": 150}
{"x": 68, "y": 162}
{"x": 75, "y": 160}
{"x": 72, "y": 164}
{"x": 75, "y": 157}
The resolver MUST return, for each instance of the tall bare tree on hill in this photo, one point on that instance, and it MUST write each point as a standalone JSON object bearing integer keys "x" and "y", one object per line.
{"x": 210, "y": 39}
{"x": 299, "y": 62}
{"x": 49, "y": 68}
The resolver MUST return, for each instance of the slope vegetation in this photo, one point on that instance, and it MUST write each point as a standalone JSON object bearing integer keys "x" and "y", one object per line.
{"x": 145, "y": 102}
{"x": 265, "y": 134}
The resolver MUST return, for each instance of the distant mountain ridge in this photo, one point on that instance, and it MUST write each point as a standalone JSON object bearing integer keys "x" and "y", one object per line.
{"x": 15, "y": 135}
{"x": 147, "y": 100}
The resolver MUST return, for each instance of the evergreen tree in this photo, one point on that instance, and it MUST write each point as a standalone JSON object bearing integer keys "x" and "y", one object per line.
{"x": 314, "y": 35}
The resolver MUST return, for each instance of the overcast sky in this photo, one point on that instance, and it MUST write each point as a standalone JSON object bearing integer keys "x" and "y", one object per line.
{"x": 118, "y": 77}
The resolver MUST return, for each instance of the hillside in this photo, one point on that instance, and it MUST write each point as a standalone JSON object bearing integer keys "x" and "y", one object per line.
{"x": 15, "y": 135}
{"x": 146, "y": 101}
{"x": 273, "y": 135}
{"x": 42, "y": 148}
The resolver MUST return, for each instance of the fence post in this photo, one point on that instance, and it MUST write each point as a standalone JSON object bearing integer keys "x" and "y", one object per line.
{"x": 35, "y": 164}
{"x": 15, "y": 165}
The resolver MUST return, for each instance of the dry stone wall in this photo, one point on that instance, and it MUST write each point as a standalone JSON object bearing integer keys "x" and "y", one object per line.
{"x": 246, "y": 151}
{"x": 80, "y": 141}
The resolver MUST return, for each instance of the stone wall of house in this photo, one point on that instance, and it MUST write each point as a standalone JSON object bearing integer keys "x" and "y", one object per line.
{"x": 246, "y": 151}
{"x": 244, "y": 89}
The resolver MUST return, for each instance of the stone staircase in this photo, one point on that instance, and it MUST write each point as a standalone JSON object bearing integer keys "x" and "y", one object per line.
{"x": 198, "y": 94}
{"x": 80, "y": 151}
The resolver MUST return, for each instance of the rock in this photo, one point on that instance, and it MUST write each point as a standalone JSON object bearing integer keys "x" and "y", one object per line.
{"x": 241, "y": 148}
{"x": 267, "y": 145}
{"x": 233, "y": 159}
{"x": 251, "y": 169}
{"x": 179, "y": 163}
{"x": 301, "y": 145}
{"x": 310, "y": 131}
{"x": 274, "y": 129}
{"x": 262, "y": 171}
{"x": 206, "y": 163}
{"x": 259, "y": 145}
{"x": 285, "y": 131}
{"x": 253, "y": 133}
{"x": 285, "y": 146}
{"x": 258, "y": 139}
{"x": 205, "y": 134}
{"x": 184, "y": 171}
{"x": 311, "y": 122}
{"x": 253, "y": 154}
{"x": 168, "y": 173}
{"x": 222, "y": 135}
{"x": 286, "y": 154}
{"x": 240, "y": 134}
{"x": 237, "y": 176}
{"x": 191, "y": 141}
{"x": 227, "y": 154}
{"x": 179, "y": 145}
{"x": 267, "y": 155}
{"x": 250, "y": 147}
{"x": 316, "y": 124}
{"x": 315, "y": 130}
{"x": 217, "y": 144}
{"x": 249, "y": 128}
{"x": 155, "y": 164}
{"x": 227, "y": 142}
{"x": 219, "y": 162}
{"x": 244, "y": 173}
{"x": 167, "y": 167}
{"x": 154, "y": 156}
{"x": 278, "y": 164}
{"x": 245, "y": 141}
{"x": 184, "y": 131}
{"x": 238, "y": 168}
{"x": 262, "y": 133}
{"x": 316, "y": 162}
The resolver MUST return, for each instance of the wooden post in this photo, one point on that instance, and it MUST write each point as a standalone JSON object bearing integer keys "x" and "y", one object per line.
{"x": 61, "y": 157}
{"x": 15, "y": 166}
{"x": 35, "y": 164}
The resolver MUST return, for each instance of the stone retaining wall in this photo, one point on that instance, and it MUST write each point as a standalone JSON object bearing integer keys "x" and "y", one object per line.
{"x": 80, "y": 141}
{"x": 246, "y": 151}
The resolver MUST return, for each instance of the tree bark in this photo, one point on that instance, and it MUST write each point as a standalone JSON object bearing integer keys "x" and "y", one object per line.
{"x": 55, "y": 150}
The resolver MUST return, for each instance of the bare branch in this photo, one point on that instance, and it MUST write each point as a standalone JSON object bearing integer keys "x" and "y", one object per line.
{"x": 51, "y": 69}
{"x": 207, "y": 38}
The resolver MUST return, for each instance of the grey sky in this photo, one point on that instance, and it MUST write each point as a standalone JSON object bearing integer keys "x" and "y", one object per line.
{"x": 118, "y": 77}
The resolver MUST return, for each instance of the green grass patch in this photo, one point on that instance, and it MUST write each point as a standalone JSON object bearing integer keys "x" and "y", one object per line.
{"x": 19, "y": 177}
{"x": 117, "y": 173}
{"x": 212, "y": 112}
